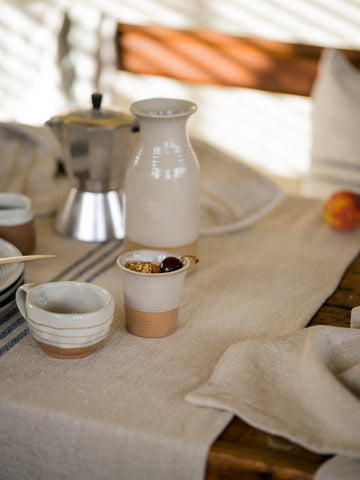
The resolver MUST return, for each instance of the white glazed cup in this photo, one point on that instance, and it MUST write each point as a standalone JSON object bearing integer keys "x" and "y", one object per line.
{"x": 151, "y": 300}
{"x": 67, "y": 319}
{"x": 17, "y": 221}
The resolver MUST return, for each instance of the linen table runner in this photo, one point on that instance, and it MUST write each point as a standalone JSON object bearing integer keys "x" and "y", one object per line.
{"x": 121, "y": 412}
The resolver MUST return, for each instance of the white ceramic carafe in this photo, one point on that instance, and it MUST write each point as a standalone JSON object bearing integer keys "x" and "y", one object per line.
{"x": 162, "y": 180}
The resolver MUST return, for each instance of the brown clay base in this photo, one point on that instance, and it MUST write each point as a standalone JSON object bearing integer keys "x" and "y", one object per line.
{"x": 68, "y": 352}
{"x": 23, "y": 236}
{"x": 151, "y": 325}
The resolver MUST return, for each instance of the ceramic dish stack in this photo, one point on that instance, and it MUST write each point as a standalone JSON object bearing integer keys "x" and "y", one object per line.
{"x": 11, "y": 275}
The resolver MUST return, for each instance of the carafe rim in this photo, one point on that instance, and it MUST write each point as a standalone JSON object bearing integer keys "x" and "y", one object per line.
{"x": 163, "y": 108}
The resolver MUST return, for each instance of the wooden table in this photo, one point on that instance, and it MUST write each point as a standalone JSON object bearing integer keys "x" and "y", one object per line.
{"x": 242, "y": 452}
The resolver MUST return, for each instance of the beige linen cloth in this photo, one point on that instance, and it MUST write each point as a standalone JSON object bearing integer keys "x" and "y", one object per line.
{"x": 304, "y": 387}
{"x": 121, "y": 412}
{"x": 232, "y": 197}
{"x": 28, "y": 158}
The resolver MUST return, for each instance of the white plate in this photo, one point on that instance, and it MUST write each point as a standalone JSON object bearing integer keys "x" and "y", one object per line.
{"x": 10, "y": 272}
{"x": 10, "y": 291}
{"x": 8, "y": 306}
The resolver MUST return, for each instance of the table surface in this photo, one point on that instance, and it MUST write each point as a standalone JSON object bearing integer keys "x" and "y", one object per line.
{"x": 242, "y": 451}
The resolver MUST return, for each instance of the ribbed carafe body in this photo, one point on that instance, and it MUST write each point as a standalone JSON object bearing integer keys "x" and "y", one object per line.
{"x": 162, "y": 181}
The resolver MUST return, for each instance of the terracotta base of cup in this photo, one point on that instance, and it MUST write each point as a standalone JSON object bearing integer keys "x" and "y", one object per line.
{"x": 23, "y": 236}
{"x": 151, "y": 325}
{"x": 188, "y": 249}
{"x": 68, "y": 352}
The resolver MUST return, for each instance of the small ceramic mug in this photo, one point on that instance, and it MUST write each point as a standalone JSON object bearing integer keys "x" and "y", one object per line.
{"x": 151, "y": 300}
{"x": 17, "y": 221}
{"x": 67, "y": 319}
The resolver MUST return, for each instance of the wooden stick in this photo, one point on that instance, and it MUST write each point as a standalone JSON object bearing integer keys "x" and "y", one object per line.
{"x": 24, "y": 258}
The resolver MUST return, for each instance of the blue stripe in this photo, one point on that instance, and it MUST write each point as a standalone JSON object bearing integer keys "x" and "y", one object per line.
{"x": 78, "y": 262}
{"x": 92, "y": 265}
{"x": 14, "y": 341}
{"x": 11, "y": 327}
{"x": 99, "y": 272}
{"x": 334, "y": 180}
{"x": 8, "y": 315}
{"x": 19, "y": 320}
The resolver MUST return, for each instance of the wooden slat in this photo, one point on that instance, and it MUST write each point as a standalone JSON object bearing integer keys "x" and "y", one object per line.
{"x": 209, "y": 57}
{"x": 261, "y": 462}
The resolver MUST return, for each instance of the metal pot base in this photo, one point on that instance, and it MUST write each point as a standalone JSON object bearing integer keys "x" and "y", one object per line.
{"x": 92, "y": 216}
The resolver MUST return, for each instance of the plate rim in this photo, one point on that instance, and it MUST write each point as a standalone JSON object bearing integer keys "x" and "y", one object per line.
{"x": 14, "y": 274}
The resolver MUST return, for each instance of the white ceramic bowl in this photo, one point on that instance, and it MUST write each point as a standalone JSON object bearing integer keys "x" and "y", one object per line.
{"x": 67, "y": 319}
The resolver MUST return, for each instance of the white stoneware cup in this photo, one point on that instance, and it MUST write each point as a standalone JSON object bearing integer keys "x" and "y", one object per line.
{"x": 151, "y": 300}
{"x": 67, "y": 319}
{"x": 17, "y": 221}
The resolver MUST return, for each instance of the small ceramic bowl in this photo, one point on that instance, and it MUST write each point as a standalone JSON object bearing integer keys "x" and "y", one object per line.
{"x": 67, "y": 319}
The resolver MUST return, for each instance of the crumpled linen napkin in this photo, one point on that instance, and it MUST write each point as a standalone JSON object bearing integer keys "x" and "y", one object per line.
{"x": 339, "y": 468}
{"x": 304, "y": 387}
{"x": 28, "y": 156}
{"x": 233, "y": 195}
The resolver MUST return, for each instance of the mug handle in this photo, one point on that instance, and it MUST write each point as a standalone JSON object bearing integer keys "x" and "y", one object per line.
{"x": 21, "y": 294}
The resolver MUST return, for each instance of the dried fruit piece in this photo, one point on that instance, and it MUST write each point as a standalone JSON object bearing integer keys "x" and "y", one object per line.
{"x": 192, "y": 257}
{"x": 155, "y": 268}
{"x": 170, "y": 264}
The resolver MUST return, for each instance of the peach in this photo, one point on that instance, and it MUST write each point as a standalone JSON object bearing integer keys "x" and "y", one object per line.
{"x": 342, "y": 210}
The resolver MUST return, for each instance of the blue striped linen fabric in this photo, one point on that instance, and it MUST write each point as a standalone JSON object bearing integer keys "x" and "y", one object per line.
{"x": 86, "y": 268}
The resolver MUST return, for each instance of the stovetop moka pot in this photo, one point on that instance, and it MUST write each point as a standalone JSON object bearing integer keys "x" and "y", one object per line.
{"x": 96, "y": 143}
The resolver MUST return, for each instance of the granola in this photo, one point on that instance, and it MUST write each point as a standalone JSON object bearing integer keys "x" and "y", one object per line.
{"x": 143, "y": 267}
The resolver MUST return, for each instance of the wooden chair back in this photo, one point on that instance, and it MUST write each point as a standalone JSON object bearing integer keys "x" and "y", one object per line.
{"x": 208, "y": 57}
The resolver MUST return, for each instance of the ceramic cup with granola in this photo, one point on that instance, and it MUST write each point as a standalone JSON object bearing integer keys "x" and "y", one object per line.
{"x": 153, "y": 282}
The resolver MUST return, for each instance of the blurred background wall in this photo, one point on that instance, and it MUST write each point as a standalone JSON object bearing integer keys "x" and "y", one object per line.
{"x": 55, "y": 53}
